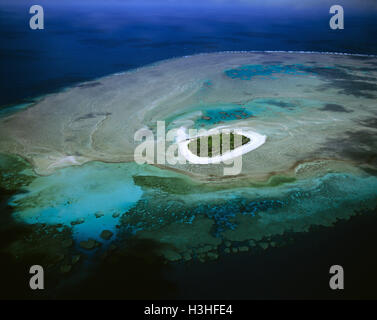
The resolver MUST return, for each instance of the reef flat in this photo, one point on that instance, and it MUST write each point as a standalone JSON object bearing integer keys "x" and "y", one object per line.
{"x": 69, "y": 158}
{"x": 308, "y": 105}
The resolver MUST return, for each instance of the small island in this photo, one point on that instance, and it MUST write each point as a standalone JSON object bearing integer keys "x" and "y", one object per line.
{"x": 218, "y": 144}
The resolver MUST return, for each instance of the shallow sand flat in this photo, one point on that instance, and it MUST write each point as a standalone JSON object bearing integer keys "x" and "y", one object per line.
{"x": 308, "y": 105}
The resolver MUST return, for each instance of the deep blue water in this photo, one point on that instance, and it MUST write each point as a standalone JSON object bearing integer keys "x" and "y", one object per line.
{"x": 84, "y": 39}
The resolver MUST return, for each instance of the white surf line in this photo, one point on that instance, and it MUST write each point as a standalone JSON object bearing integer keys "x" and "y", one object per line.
{"x": 183, "y": 140}
{"x": 290, "y": 51}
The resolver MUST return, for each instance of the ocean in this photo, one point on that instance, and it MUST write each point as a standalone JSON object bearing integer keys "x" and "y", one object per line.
{"x": 83, "y": 40}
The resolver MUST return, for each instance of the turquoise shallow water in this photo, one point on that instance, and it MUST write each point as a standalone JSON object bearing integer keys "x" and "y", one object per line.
{"x": 13, "y": 109}
{"x": 222, "y": 114}
{"x": 76, "y": 193}
{"x": 261, "y": 108}
{"x": 247, "y": 72}
{"x": 148, "y": 198}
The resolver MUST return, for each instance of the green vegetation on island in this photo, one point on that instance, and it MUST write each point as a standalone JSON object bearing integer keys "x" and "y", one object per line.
{"x": 218, "y": 144}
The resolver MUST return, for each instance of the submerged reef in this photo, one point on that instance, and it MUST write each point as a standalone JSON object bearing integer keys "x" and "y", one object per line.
{"x": 191, "y": 220}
